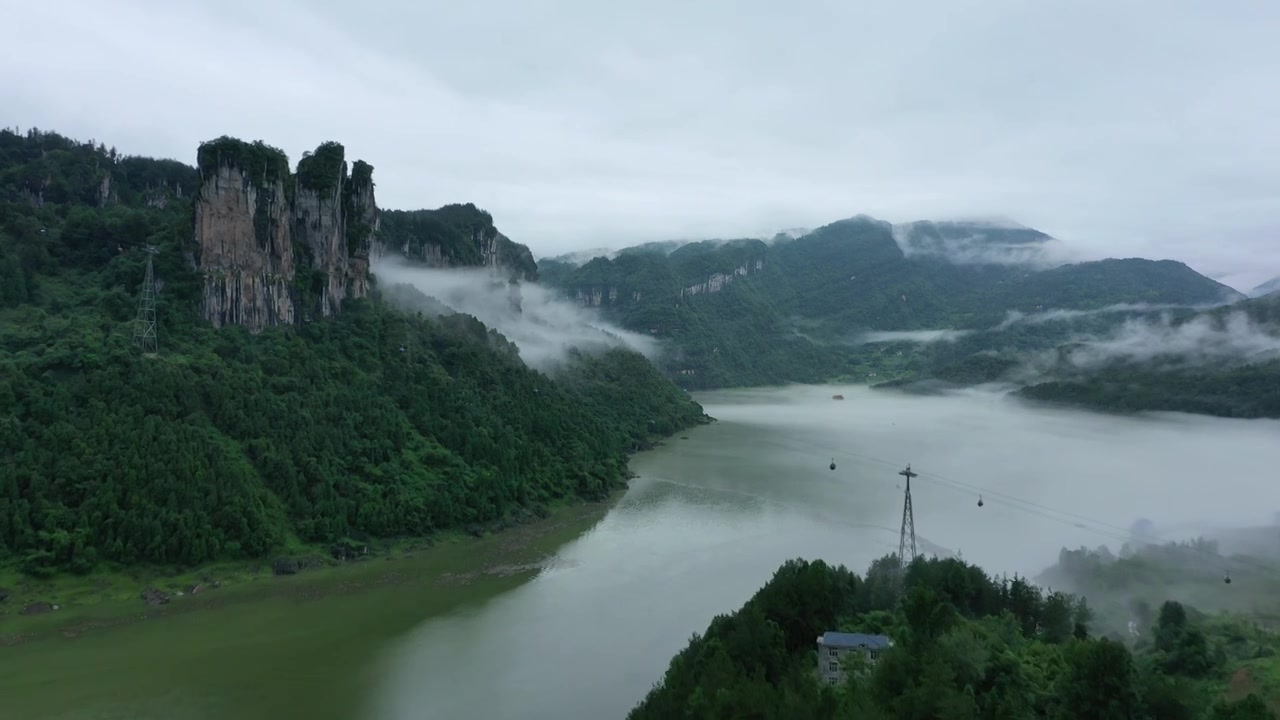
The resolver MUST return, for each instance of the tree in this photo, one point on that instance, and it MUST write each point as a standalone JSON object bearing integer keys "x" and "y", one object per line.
{"x": 1100, "y": 683}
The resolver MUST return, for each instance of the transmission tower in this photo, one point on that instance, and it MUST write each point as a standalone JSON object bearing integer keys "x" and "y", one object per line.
{"x": 144, "y": 327}
{"x": 908, "y": 533}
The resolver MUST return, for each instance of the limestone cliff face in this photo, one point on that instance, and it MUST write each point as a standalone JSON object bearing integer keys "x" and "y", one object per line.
{"x": 717, "y": 281}
{"x": 244, "y": 249}
{"x": 277, "y": 248}
{"x": 334, "y": 222}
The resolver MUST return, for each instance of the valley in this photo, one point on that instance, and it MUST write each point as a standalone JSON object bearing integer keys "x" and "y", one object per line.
{"x": 467, "y": 361}
{"x": 709, "y": 518}
{"x": 386, "y": 448}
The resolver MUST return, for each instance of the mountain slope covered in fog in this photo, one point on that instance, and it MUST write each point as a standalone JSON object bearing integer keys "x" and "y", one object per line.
{"x": 1224, "y": 361}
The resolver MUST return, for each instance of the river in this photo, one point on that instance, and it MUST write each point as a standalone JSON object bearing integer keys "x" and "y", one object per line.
{"x": 714, "y": 513}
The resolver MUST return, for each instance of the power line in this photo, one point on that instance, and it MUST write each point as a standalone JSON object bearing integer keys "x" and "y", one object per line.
{"x": 1083, "y": 522}
{"x": 828, "y": 518}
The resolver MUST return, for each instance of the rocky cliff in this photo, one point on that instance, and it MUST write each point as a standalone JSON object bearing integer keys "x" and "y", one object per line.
{"x": 454, "y": 236}
{"x": 702, "y": 268}
{"x": 276, "y": 247}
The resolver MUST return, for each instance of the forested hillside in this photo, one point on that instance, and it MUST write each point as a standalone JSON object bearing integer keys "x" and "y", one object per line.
{"x": 747, "y": 312}
{"x": 964, "y": 646}
{"x": 227, "y": 443}
{"x": 464, "y": 235}
{"x": 1224, "y": 361}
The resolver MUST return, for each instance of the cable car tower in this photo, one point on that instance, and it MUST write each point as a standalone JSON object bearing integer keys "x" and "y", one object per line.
{"x": 908, "y": 534}
{"x": 144, "y": 327}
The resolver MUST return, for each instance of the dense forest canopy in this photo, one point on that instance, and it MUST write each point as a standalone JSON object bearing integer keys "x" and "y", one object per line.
{"x": 230, "y": 444}
{"x": 964, "y": 646}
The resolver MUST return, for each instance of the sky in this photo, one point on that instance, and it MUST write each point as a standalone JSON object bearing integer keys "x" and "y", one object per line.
{"x": 1124, "y": 128}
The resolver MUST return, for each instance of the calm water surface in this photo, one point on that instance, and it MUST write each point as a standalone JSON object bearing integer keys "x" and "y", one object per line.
{"x": 712, "y": 516}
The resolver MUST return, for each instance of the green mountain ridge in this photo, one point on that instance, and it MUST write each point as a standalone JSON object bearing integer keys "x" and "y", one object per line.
{"x": 232, "y": 444}
{"x": 747, "y": 312}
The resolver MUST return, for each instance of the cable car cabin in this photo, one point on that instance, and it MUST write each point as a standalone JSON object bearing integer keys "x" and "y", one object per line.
{"x": 833, "y": 463}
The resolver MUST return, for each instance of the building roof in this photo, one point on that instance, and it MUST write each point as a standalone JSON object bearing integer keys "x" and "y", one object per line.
{"x": 854, "y": 640}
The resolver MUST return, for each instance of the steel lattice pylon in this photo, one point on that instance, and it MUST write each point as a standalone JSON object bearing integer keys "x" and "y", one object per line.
{"x": 144, "y": 327}
{"x": 907, "y": 535}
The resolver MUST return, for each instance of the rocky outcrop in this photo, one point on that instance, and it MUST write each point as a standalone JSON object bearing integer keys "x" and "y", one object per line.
{"x": 277, "y": 248}
{"x": 106, "y": 193}
{"x": 155, "y": 596}
{"x": 334, "y": 220}
{"x": 159, "y": 196}
{"x": 717, "y": 282}
{"x": 453, "y": 236}
{"x": 244, "y": 248}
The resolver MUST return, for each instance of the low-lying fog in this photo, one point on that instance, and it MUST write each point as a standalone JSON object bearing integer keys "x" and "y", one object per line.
{"x": 543, "y": 324}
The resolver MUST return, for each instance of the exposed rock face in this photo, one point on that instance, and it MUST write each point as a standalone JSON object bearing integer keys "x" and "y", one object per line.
{"x": 277, "y": 248}
{"x": 106, "y": 193}
{"x": 159, "y": 196}
{"x": 717, "y": 282}
{"x": 245, "y": 250}
{"x": 155, "y": 596}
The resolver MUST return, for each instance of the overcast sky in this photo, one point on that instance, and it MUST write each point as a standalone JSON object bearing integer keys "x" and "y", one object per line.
{"x": 1123, "y": 128}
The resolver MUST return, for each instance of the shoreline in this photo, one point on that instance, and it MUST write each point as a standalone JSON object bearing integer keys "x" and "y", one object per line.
{"x": 107, "y": 601}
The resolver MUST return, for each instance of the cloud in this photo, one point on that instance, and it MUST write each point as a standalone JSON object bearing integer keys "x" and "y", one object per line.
{"x": 1229, "y": 339}
{"x": 542, "y": 324}
{"x": 983, "y": 242}
{"x": 915, "y": 336}
{"x": 582, "y": 124}
{"x": 1015, "y": 317}
{"x": 1205, "y": 339}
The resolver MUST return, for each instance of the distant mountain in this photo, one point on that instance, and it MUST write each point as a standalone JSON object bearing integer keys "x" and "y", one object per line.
{"x": 747, "y": 312}
{"x": 1266, "y": 288}
{"x": 579, "y": 257}
{"x": 1223, "y": 361}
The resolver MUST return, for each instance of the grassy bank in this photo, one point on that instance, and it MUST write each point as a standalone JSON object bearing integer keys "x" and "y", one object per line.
{"x": 258, "y": 646}
{"x": 112, "y": 597}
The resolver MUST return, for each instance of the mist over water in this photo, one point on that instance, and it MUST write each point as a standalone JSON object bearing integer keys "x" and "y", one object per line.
{"x": 712, "y": 517}
{"x": 1205, "y": 339}
{"x": 543, "y": 324}
{"x": 1142, "y": 333}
